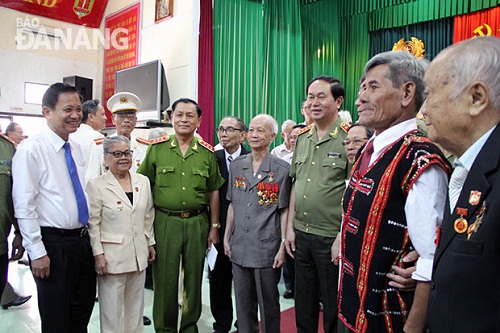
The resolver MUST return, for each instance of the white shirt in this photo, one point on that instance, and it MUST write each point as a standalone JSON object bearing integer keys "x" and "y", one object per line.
{"x": 42, "y": 191}
{"x": 234, "y": 155}
{"x": 85, "y": 136}
{"x": 281, "y": 151}
{"x": 96, "y": 165}
{"x": 425, "y": 203}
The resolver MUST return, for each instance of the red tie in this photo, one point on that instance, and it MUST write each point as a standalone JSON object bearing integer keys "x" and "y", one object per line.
{"x": 366, "y": 157}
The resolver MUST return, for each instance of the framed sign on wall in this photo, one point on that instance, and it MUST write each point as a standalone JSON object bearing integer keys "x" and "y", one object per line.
{"x": 163, "y": 10}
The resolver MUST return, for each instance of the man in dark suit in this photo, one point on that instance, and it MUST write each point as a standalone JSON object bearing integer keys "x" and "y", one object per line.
{"x": 231, "y": 133}
{"x": 462, "y": 112}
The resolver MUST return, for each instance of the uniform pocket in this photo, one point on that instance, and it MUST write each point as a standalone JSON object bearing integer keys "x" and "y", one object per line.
{"x": 164, "y": 176}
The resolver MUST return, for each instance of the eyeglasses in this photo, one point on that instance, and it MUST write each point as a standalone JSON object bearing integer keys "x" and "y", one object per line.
{"x": 123, "y": 116}
{"x": 356, "y": 142}
{"x": 229, "y": 130}
{"x": 118, "y": 154}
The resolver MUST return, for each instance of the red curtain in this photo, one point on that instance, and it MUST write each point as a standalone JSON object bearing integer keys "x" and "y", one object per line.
{"x": 482, "y": 23}
{"x": 206, "y": 72}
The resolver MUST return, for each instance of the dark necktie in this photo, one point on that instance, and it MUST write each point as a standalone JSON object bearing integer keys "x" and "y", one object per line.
{"x": 83, "y": 210}
{"x": 230, "y": 158}
{"x": 365, "y": 158}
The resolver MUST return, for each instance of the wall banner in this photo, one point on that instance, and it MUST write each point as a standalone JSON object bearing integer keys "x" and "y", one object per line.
{"x": 482, "y": 23}
{"x": 121, "y": 56}
{"x": 88, "y": 13}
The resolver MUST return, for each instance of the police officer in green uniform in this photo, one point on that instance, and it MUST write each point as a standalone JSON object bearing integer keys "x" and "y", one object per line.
{"x": 320, "y": 168}
{"x": 185, "y": 178}
{"x": 7, "y": 149}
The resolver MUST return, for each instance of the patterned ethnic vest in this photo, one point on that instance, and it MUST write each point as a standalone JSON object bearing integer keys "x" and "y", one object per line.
{"x": 375, "y": 235}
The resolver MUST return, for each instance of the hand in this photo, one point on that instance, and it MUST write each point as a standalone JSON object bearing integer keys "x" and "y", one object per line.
{"x": 280, "y": 258}
{"x": 227, "y": 248}
{"x": 336, "y": 250}
{"x": 290, "y": 242}
{"x": 152, "y": 254}
{"x": 41, "y": 267}
{"x": 401, "y": 278}
{"x": 17, "y": 248}
{"x": 101, "y": 264}
{"x": 213, "y": 237}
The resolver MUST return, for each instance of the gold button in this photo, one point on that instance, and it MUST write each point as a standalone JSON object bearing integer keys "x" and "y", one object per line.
{"x": 307, "y": 229}
{"x": 164, "y": 171}
{"x": 308, "y": 179}
{"x": 305, "y": 213}
{"x": 333, "y": 164}
{"x": 313, "y": 163}
{"x": 317, "y": 147}
{"x": 183, "y": 188}
{"x": 183, "y": 174}
{"x": 184, "y": 203}
{"x": 305, "y": 197}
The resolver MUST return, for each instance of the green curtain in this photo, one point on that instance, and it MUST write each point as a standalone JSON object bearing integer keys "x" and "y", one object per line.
{"x": 436, "y": 35}
{"x": 282, "y": 72}
{"x": 238, "y": 59}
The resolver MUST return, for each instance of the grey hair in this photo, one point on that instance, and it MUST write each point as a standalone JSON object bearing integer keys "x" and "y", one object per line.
{"x": 403, "y": 67}
{"x": 240, "y": 122}
{"x": 157, "y": 133}
{"x": 287, "y": 123}
{"x": 271, "y": 120}
{"x": 474, "y": 60}
{"x": 109, "y": 140}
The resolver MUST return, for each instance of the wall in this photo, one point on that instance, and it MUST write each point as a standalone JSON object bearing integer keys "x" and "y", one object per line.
{"x": 174, "y": 41}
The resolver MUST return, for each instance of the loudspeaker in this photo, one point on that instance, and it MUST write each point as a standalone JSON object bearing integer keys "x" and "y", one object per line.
{"x": 83, "y": 84}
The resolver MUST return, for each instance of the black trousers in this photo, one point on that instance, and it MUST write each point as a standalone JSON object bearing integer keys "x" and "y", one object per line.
{"x": 289, "y": 273}
{"x": 315, "y": 275}
{"x": 4, "y": 267}
{"x": 66, "y": 298}
{"x": 221, "y": 302}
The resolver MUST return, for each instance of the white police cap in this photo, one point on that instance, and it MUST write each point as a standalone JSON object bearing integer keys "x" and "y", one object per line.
{"x": 124, "y": 101}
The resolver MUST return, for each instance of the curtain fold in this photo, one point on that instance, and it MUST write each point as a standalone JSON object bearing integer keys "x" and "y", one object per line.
{"x": 206, "y": 71}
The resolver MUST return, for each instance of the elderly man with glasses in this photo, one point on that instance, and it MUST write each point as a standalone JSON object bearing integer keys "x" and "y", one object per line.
{"x": 124, "y": 106}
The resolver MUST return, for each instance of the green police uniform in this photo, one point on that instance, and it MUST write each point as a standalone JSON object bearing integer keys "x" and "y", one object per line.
{"x": 320, "y": 168}
{"x": 181, "y": 186}
{"x": 7, "y": 149}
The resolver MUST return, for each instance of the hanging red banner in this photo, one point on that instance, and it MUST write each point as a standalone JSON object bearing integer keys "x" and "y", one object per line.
{"x": 83, "y": 12}
{"x": 482, "y": 23}
{"x": 120, "y": 55}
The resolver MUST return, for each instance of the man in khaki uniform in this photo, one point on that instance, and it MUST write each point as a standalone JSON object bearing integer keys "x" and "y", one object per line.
{"x": 320, "y": 168}
{"x": 185, "y": 177}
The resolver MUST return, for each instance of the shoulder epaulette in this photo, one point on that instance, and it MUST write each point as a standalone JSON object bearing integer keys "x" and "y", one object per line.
{"x": 160, "y": 139}
{"x": 8, "y": 139}
{"x": 206, "y": 145}
{"x": 305, "y": 129}
{"x": 345, "y": 126}
{"x": 99, "y": 141}
{"x": 143, "y": 141}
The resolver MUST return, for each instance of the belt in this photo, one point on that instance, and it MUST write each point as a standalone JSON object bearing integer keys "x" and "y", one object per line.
{"x": 185, "y": 215}
{"x": 80, "y": 232}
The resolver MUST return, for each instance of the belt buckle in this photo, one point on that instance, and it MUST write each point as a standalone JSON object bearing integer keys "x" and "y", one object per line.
{"x": 185, "y": 215}
{"x": 83, "y": 232}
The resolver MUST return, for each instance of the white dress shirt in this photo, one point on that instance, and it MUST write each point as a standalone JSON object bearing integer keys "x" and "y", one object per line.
{"x": 42, "y": 191}
{"x": 233, "y": 155}
{"x": 85, "y": 136}
{"x": 424, "y": 206}
{"x": 281, "y": 150}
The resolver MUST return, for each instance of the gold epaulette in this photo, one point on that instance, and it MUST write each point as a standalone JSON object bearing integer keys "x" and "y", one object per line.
{"x": 99, "y": 141}
{"x": 345, "y": 126}
{"x": 143, "y": 141}
{"x": 206, "y": 145}
{"x": 158, "y": 140}
{"x": 305, "y": 129}
{"x": 8, "y": 139}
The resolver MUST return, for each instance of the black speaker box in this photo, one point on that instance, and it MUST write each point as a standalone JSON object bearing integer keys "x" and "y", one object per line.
{"x": 83, "y": 84}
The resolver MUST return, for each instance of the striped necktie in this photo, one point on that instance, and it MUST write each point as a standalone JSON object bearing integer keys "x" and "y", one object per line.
{"x": 457, "y": 181}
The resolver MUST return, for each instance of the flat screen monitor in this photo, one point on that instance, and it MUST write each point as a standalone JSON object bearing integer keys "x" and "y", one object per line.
{"x": 147, "y": 81}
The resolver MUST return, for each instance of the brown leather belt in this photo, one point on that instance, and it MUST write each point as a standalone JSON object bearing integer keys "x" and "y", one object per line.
{"x": 184, "y": 215}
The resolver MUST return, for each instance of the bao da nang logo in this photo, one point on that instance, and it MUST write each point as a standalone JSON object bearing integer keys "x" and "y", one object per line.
{"x": 33, "y": 35}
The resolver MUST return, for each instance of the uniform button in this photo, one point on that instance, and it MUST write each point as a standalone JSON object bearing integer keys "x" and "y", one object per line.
{"x": 184, "y": 203}
{"x": 164, "y": 171}
{"x": 333, "y": 164}
{"x": 313, "y": 163}
{"x": 183, "y": 188}
{"x": 247, "y": 217}
{"x": 305, "y": 197}
{"x": 305, "y": 213}
{"x": 308, "y": 179}
{"x": 249, "y": 204}
{"x": 317, "y": 147}
{"x": 307, "y": 229}
{"x": 182, "y": 173}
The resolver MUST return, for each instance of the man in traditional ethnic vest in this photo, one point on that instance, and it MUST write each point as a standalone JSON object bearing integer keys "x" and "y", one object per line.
{"x": 393, "y": 202}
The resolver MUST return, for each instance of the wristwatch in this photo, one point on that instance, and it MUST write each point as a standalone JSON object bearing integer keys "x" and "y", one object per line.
{"x": 216, "y": 225}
